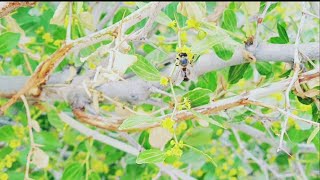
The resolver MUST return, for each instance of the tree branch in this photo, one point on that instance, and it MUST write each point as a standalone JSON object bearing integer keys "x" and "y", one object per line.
{"x": 7, "y": 7}
{"x": 116, "y": 144}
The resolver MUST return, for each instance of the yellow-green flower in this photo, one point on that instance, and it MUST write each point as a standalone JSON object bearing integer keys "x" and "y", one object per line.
{"x": 119, "y": 172}
{"x": 192, "y": 23}
{"x": 47, "y": 38}
{"x": 40, "y": 30}
{"x": 4, "y": 176}
{"x": 186, "y": 50}
{"x": 176, "y": 149}
{"x": 184, "y": 37}
{"x": 14, "y": 143}
{"x": 187, "y": 103}
{"x": 232, "y": 172}
{"x": 168, "y": 124}
{"x": 173, "y": 24}
{"x": 164, "y": 81}
{"x": 202, "y": 34}
{"x": 161, "y": 39}
{"x": 57, "y": 42}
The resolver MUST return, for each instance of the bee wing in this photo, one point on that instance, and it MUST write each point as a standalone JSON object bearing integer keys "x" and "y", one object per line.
{"x": 191, "y": 74}
{"x": 178, "y": 77}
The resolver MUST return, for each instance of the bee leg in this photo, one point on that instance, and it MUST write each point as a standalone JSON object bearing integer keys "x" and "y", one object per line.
{"x": 177, "y": 62}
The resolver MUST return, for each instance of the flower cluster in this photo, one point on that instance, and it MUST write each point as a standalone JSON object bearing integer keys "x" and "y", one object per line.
{"x": 8, "y": 160}
{"x": 47, "y": 38}
{"x": 168, "y": 124}
{"x": 173, "y": 24}
{"x": 181, "y": 127}
{"x": 164, "y": 81}
{"x": 14, "y": 143}
{"x": 192, "y": 23}
{"x": 4, "y": 176}
{"x": 186, "y": 50}
{"x": 185, "y": 104}
{"x": 176, "y": 150}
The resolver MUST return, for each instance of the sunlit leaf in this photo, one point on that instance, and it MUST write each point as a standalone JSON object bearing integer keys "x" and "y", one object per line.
{"x": 73, "y": 171}
{"x": 8, "y": 41}
{"x": 264, "y": 68}
{"x": 313, "y": 134}
{"x": 198, "y": 96}
{"x": 229, "y": 20}
{"x": 198, "y": 136}
{"x": 224, "y": 52}
{"x": 7, "y": 133}
{"x": 236, "y": 73}
{"x": 208, "y": 81}
{"x": 151, "y": 156}
{"x": 138, "y": 121}
{"x": 145, "y": 70}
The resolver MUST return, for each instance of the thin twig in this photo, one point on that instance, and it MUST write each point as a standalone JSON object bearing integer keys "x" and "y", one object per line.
{"x": 259, "y": 21}
{"x": 69, "y": 24}
{"x": 296, "y": 67}
{"x": 109, "y": 15}
{"x": 26, "y": 176}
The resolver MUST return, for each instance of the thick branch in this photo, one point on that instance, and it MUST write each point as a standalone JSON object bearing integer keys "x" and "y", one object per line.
{"x": 7, "y": 7}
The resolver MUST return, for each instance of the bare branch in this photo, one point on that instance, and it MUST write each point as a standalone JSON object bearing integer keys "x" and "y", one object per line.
{"x": 7, "y": 7}
{"x": 296, "y": 67}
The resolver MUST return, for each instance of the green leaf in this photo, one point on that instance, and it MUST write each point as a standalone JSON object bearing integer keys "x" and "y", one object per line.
{"x": 305, "y": 101}
{"x": 283, "y": 36}
{"x": 282, "y": 33}
{"x": 198, "y": 96}
{"x": 198, "y": 136}
{"x": 145, "y": 70}
{"x": 263, "y": 5}
{"x": 54, "y": 120}
{"x": 208, "y": 81}
{"x": 313, "y": 134}
{"x": 229, "y": 20}
{"x": 223, "y": 51}
{"x": 236, "y": 73}
{"x": 5, "y": 151}
{"x": 121, "y": 13}
{"x": 94, "y": 176}
{"x": 151, "y": 156}
{"x": 49, "y": 140}
{"x": 138, "y": 121}
{"x": 73, "y": 171}
{"x": 206, "y": 118}
{"x": 264, "y": 68}
{"x": 8, "y": 41}
{"x": 286, "y": 74}
{"x": 7, "y": 133}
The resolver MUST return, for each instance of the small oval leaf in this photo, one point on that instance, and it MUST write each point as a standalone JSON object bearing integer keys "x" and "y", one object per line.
{"x": 73, "y": 171}
{"x": 198, "y": 96}
{"x": 151, "y": 156}
{"x": 138, "y": 122}
{"x": 236, "y": 73}
{"x": 145, "y": 70}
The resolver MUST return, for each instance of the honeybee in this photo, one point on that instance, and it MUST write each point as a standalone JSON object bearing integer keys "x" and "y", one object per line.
{"x": 186, "y": 71}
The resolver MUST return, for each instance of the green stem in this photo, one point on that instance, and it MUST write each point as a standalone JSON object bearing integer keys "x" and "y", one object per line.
{"x": 174, "y": 109}
{"x": 87, "y": 159}
{"x": 201, "y": 152}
